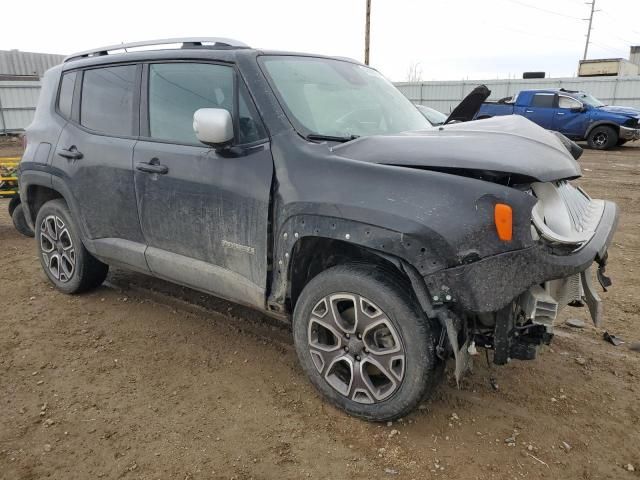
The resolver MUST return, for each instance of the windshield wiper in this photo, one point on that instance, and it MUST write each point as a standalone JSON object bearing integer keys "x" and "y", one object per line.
{"x": 331, "y": 138}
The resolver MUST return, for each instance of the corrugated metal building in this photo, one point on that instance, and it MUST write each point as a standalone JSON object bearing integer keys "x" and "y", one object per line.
{"x": 20, "y": 74}
{"x": 18, "y": 100}
{"x": 445, "y": 95}
{"x": 17, "y": 63}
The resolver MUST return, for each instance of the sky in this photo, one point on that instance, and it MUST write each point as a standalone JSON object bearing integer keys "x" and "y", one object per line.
{"x": 446, "y": 39}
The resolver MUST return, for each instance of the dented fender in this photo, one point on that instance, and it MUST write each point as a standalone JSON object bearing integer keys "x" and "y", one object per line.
{"x": 430, "y": 220}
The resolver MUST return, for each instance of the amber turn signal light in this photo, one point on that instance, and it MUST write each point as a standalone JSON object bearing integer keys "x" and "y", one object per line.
{"x": 503, "y": 217}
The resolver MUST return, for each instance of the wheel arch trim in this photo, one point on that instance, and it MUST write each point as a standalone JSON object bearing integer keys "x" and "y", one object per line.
{"x": 408, "y": 254}
{"x": 601, "y": 123}
{"x": 35, "y": 178}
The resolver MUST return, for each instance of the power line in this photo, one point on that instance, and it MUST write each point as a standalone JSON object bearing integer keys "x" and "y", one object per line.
{"x": 625, "y": 40}
{"x": 605, "y": 46}
{"x": 517, "y": 2}
{"x": 618, "y": 20}
{"x": 612, "y": 19}
{"x": 536, "y": 34}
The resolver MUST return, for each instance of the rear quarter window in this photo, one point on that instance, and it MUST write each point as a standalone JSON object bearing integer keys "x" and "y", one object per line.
{"x": 65, "y": 98}
{"x": 108, "y": 98}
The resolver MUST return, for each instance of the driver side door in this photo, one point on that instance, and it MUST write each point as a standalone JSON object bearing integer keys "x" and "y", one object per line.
{"x": 570, "y": 119}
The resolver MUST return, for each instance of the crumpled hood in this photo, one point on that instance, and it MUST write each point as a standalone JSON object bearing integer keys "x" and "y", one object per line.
{"x": 629, "y": 111}
{"x": 510, "y": 144}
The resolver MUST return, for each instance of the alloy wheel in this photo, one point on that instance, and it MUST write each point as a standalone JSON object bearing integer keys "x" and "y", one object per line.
{"x": 356, "y": 348}
{"x": 57, "y": 248}
{"x": 600, "y": 139}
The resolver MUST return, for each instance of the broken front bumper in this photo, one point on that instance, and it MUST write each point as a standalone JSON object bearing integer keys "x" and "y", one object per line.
{"x": 629, "y": 134}
{"x": 492, "y": 282}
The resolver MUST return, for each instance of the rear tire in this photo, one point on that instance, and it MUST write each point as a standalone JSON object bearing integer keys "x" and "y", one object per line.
{"x": 65, "y": 260}
{"x": 602, "y": 138}
{"x": 352, "y": 319}
{"x": 20, "y": 222}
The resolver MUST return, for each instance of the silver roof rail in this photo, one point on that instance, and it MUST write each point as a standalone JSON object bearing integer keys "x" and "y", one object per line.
{"x": 186, "y": 43}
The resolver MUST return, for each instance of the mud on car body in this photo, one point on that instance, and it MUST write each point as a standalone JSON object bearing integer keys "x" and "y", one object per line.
{"x": 311, "y": 189}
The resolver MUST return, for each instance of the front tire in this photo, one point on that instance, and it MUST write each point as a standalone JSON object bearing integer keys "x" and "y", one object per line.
{"x": 602, "y": 138}
{"x": 65, "y": 260}
{"x": 364, "y": 342}
{"x": 20, "y": 222}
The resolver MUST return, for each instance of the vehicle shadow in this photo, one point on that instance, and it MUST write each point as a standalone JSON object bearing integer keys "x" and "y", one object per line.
{"x": 184, "y": 298}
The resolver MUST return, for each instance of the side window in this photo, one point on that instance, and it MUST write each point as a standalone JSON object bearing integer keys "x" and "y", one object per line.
{"x": 567, "y": 102}
{"x": 250, "y": 125}
{"x": 107, "y": 103}
{"x": 177, "y": 90}
{"x": 66, "y": 94}
{"x": 544, "y": 100}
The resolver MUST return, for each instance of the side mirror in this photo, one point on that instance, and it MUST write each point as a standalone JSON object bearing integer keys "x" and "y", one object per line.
{"x": 579, "y": 109}
{"x": 213, "y": 126}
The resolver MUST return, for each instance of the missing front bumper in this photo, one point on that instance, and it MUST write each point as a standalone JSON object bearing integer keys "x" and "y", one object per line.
{"x": 541, "y": 304}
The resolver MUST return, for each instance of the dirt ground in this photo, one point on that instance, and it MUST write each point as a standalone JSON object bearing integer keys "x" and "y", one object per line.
{"x": 141, "y": 379}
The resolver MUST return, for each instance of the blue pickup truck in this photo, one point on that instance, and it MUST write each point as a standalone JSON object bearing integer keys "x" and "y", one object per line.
{"x": 577, "y": 115}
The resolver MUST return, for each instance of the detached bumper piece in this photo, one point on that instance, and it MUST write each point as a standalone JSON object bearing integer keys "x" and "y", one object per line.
{"x": 541, "y": 304}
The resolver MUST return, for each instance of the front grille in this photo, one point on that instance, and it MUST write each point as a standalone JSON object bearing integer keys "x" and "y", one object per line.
{"x": 632, "y": 123}
{"x": 565, "y": 214}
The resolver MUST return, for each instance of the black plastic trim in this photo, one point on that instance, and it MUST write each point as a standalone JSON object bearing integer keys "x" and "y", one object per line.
{"x": 491, "y": 283}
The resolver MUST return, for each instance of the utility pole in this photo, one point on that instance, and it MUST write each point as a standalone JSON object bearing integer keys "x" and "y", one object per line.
{"x": 586, "y": 45}
{"x": 366, "y": 32}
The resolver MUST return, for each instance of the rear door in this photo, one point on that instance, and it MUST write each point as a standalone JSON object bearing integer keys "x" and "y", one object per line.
{"x": 542, "y": 109}
{"x": 569, "y": 118}
{"x": 204, "y": 213}
{"x": 94, "y": 156}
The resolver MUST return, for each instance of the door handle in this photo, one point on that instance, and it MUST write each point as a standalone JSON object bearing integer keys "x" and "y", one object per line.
{"x": 70, "y": 153}
{"x": 560, "y": 113}
{"x": 528, "y": 111}
{"x": 152, "y": 167}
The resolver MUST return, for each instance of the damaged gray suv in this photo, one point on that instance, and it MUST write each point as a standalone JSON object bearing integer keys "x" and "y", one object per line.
{"x": 310, "y": 188}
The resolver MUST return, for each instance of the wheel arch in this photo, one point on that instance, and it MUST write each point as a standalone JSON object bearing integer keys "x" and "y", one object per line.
{"x": 306, "y": 245}
{"x": 37, "y": 188}
{"x": 602, "y": 123}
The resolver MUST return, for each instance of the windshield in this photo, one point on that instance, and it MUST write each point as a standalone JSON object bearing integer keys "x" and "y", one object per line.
{"x": 340, "y": 99}
{"x": 434, "y": 116}
{"x": 589, "y": 100}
